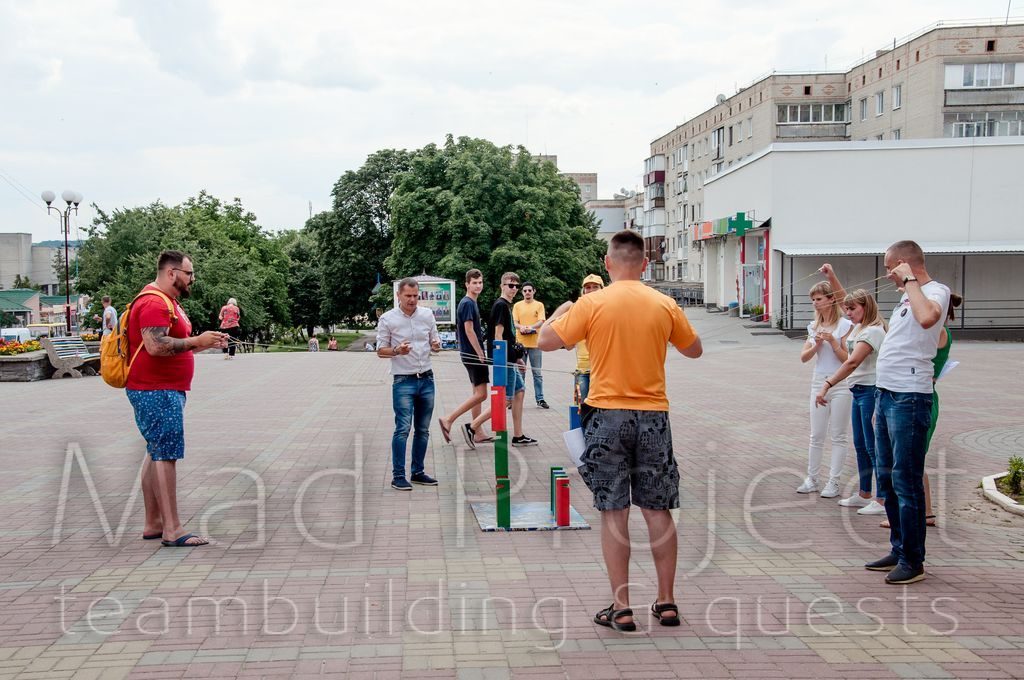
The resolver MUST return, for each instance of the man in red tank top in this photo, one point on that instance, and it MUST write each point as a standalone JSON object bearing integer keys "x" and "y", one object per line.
{"x": 157, "y": 382}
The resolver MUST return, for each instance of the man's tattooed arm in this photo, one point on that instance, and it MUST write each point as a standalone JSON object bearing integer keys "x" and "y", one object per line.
{"x": 159, "y": 344}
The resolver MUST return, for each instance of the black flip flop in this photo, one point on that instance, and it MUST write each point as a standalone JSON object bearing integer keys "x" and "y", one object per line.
{"x": 610, "y": 614}
{"x": 182, "y": 542}
{"x": 658, "y": 609}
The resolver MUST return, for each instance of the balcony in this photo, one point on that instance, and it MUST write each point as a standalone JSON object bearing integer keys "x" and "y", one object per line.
{"x": 999, "y": 96}
{"x": 812, "y": 131}
{"x": 654, "y": 177}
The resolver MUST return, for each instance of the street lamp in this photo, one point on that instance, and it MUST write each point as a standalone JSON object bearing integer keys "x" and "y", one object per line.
{"x": 71, "y": 201}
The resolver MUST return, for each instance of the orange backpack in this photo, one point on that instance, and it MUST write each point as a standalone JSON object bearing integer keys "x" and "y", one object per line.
{"x": 114, "y": 362}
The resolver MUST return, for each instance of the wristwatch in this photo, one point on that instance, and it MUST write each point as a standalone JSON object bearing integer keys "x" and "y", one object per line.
{"x": 909, "y": 278}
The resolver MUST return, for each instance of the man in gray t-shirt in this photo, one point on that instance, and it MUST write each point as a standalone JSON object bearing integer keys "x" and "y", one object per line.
{"x": 109, "y": 321}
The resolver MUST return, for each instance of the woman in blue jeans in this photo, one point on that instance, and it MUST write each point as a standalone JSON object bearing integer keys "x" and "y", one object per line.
{"x": 863, "y": 344}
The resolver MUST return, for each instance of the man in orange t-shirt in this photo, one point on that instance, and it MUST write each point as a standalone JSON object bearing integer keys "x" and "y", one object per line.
{"x": 628, "y": 460}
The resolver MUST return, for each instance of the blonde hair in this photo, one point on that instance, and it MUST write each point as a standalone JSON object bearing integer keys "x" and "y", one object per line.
{"x": 830, "y": 317}
{"x": 867, "y": 301}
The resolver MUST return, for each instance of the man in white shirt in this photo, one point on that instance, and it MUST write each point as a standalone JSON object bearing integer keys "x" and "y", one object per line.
{"x": 406, "y": 335}
{"x": 903, "y": 408}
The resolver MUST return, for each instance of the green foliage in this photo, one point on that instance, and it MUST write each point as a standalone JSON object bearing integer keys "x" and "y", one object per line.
{"x": 305, "y": 278}
{"x": 24, "y": 282}
{"x": 1015, "y": 480}
{"x": 232, "y": 256}
{"x": 473, "y": 204}
{"x": 354, "y": 236}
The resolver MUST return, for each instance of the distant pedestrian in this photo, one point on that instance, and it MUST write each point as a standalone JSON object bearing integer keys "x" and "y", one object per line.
{"x": 528, "y": 315}
{"x": 332, "y": 344}
{"x": 405, "y": 336}
{"x": 862, "y": 346}
{"x": 314, "y": 343}
{"x": 826, "y": 344}
{"x": 502, "y": 327}
{"x": 229, "y": 317}
{"x": 629, "y": 456}
{"x": 903, "y": 412}
{"x": 109, "y": 322}
{"x": 591, "y": 284}
{"x": 157, "y": 384}
{"x": 470, "y": 337}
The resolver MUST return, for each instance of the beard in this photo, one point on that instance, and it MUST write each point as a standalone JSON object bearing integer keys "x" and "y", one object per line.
{"x": 184, "y": 289}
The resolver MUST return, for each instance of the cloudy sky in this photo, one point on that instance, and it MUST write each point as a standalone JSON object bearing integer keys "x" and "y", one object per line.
{"x": 129, "y": 102}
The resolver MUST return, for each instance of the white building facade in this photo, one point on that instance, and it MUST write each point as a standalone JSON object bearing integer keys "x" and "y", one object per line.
{"x": 794, "y": 206}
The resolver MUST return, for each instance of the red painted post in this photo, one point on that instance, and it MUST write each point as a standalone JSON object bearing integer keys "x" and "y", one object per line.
{"x": 498, "y": 408}
{"x": 562, "y": 501}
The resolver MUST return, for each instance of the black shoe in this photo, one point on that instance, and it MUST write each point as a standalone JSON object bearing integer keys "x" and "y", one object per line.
{"x": 523, "y": 441}
{"x": 543, "y": 404}
{"x": 903, "y": 575}
{"x": 401, "y": 483}
{"x": 887, "y": 563}
{"x": 470, "y": 435}
{"x": 424, "y": 479}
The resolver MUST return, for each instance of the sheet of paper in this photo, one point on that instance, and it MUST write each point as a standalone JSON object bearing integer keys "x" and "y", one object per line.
{"x": 950, "y": 365}
{"x": 574, "y": 442}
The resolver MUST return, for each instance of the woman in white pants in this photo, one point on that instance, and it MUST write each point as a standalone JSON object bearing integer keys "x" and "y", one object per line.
{"x": 826, "y": 344}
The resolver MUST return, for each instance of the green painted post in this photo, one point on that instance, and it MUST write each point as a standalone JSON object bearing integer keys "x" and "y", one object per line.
{"x": 501, "y": 454}
{"x": 503, "y": 503}
{"x": 555, "y": 469}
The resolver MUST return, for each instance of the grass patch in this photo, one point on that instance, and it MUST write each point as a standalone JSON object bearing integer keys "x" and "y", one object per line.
{"x": 1004, "y": 488}
{"x": 344, "y": 340}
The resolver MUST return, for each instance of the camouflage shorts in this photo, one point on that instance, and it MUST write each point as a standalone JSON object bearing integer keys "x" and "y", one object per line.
{"x": 629, "y": 459}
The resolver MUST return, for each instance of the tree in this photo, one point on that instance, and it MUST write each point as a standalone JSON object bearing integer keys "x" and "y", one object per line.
{"x": 354, "y": 237}
{"x": 232, "y": 255}
{"x": 473, "y": 204}
{"x": 305, "y": 278}
{"x": 24, "y": 282}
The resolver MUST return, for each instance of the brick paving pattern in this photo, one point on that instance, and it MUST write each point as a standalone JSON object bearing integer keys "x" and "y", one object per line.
{"x": 319, "y": 569}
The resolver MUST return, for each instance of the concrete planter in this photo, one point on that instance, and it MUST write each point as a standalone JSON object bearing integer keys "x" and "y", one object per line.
{"x": 26, "y": 367}
{"x": 988, "y": 485}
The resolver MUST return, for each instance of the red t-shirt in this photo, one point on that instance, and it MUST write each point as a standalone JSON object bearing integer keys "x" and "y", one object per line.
{"x": 158, "y": 373}
{"x": 229, "y": 316}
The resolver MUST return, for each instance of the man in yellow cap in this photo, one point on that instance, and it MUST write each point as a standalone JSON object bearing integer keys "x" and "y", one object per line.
{"x": 591, "y": 283}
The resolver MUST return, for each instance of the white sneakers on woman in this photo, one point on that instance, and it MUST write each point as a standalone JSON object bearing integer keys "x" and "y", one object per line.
{"x": 855, "y": 501}
{"x": 810, "y": 485}
{"x": 831, "y": 489}
{"x": 872, "y": 508}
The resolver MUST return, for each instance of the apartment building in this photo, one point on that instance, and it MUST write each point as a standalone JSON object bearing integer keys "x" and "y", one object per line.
{"x": 947, "y": 80}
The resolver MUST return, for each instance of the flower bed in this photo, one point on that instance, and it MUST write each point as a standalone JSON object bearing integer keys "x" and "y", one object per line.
{"x": 90, "y": 337}
{"x": 10, "y": 349}
{"x": 25, "y": 367}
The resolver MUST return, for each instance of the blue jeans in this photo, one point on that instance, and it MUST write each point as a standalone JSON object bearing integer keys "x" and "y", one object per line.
{"x": 583, "y": 383}
{"x": 902, "y": 420}
{"x": 413, "y": 401}
{"x": 864, "y": 433}
{"x": 534, "y": 357}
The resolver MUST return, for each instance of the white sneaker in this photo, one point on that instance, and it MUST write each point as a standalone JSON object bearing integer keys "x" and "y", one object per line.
{"x": 872, "y": 508}
{"x": 810, "y": 485}
{"x": 831, "y": 489}
{"x": 855, "y": 501}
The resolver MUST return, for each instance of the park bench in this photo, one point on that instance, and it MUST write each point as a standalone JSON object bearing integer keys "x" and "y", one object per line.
{"x": 68, "y": 354}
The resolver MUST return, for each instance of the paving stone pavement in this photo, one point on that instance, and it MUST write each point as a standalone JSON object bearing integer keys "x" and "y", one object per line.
{"x": 319, "y": 569}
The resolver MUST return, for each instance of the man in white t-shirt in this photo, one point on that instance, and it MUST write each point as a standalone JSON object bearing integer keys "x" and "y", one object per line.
{"x": 903, "y": 408}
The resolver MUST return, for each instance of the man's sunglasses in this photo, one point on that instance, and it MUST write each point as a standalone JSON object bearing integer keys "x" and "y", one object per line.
{"x": 191, "y": 274}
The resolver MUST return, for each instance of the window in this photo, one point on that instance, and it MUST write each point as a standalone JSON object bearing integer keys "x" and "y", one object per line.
{"x": 750, "y": 128}
{"x": 879, "y": 137}
{"x": 879, "y": 103}
{"x": 990, "y": 45}
{"x": 897, "y": 64}
{"x": 864, "y": 80}
{"x": 897, "y": 134}
{"x": 730, "y": 135}
{"x": 917, "y": 56}
{"x": 897, "y": 96}
{"x": 807, "y": 89}
{"x": 984, "y": 124}
{"x": 863, "y": 109}
{"x": 982, "y": 75}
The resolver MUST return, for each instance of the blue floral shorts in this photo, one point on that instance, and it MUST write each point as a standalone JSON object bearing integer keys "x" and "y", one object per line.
{"x": 160, "y": 415}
